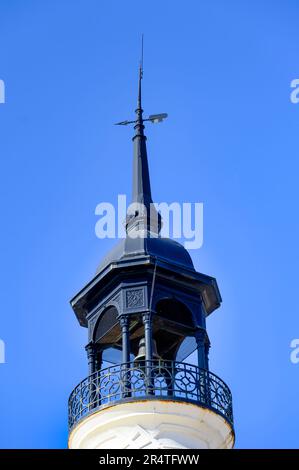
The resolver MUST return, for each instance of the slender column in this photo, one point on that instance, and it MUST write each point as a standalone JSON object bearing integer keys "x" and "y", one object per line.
{"x": 124, "y": 324}
{"x": 148, "y": 336}
{"x": 203, "y": 374}
{"x": 99, "y": 360}
{"x": 147, "y": 321}
{"x": 201, "y": 356}
{"x": 207, "y": 350}
{"x": 91, "y": 357}
{"x": 91, "y": 353}
{"x": 98, "y": 366}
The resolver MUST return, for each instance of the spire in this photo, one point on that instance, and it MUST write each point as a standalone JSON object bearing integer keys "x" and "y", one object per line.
{"x": 142, "y": 213}
{"x": 141, "y": 180}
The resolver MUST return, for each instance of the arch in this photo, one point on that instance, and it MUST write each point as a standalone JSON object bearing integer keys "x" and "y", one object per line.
{"x": 173, "y": 323}
{"x": 107, "y": 320}
{"x": 174, "y": 310}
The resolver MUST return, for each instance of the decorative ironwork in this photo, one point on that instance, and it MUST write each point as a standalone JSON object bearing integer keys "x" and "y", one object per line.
{"x": 134, "y": 298}
{"x": 147, "y": 380}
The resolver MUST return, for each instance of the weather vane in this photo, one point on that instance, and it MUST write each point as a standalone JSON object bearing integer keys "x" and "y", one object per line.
{"x": 154, "y": 118}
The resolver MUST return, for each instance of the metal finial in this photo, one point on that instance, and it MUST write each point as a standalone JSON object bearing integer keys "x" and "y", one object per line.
{"x": 139, "y": 108}
{"x": 141, "y": 59}
{"x": 154, "y": 118}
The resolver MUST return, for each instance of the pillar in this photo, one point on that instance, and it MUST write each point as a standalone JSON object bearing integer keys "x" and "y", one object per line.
{"x": 124, "y": 324}
{"x": 91, "y": 355}
{"x": 147, "y": 321}
{"x": 125, "y": 332}
{"x": 200, "y": 337}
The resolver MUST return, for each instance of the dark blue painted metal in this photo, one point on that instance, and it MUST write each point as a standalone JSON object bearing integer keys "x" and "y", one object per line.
{"x": 167, "y": 380}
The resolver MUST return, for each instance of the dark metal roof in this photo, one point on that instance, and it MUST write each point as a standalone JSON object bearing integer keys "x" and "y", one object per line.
{"x": 158, "y": 247}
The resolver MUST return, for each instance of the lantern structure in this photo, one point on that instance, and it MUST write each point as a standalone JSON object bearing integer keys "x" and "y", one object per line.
{"x": 145, "y": 311}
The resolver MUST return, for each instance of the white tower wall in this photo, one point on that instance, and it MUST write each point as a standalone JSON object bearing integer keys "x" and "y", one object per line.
{"x": 153, "y": 424}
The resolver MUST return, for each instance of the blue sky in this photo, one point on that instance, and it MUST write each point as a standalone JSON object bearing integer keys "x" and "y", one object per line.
{"x": 222, "y": 71}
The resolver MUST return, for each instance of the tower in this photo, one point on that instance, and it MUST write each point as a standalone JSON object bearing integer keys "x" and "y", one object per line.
{"x": 145, "y": 310}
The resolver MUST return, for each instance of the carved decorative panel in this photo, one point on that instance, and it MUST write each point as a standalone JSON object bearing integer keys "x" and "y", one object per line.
{"x": 134, "y": 298}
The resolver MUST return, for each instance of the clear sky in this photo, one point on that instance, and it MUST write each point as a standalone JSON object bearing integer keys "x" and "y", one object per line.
{"x": 222, "y": 71}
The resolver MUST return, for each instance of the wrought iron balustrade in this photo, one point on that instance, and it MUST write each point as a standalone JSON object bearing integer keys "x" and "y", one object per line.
{"x": 148, "y": 380}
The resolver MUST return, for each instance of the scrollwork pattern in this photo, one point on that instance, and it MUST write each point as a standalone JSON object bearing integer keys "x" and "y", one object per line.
{"x": 147, "y": 379}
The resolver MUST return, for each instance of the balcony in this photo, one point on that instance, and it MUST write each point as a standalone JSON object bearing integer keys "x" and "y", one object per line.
{"x": 148, "y": 380}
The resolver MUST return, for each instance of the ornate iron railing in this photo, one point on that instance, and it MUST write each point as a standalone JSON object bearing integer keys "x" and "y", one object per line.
{"x": 147, "y": 380}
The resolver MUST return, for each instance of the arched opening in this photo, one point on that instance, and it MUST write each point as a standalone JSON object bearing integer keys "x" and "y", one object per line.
{"x": 107, "y": 336}
{"x": 173, "y": 324}
{"x": 175, "y": 311}
{"x": 104, "y": 331}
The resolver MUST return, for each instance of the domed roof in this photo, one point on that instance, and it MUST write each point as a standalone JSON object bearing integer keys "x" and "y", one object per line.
{"x": 163, "y": 248}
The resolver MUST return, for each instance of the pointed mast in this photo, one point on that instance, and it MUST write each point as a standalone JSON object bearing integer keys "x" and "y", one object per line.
{"x": 139, "y": 108}
{"x": 141, "y": 180}
{"x": 149, "y": 218}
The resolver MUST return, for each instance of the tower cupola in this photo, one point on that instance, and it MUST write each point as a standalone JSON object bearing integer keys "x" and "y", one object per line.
{"x": 145, "y": 311}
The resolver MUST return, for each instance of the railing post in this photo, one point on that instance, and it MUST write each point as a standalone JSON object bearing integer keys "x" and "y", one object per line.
{"x": 98, "y": 366}
{"x": 208, "y": 381}
{"x": 170, "y": 382}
